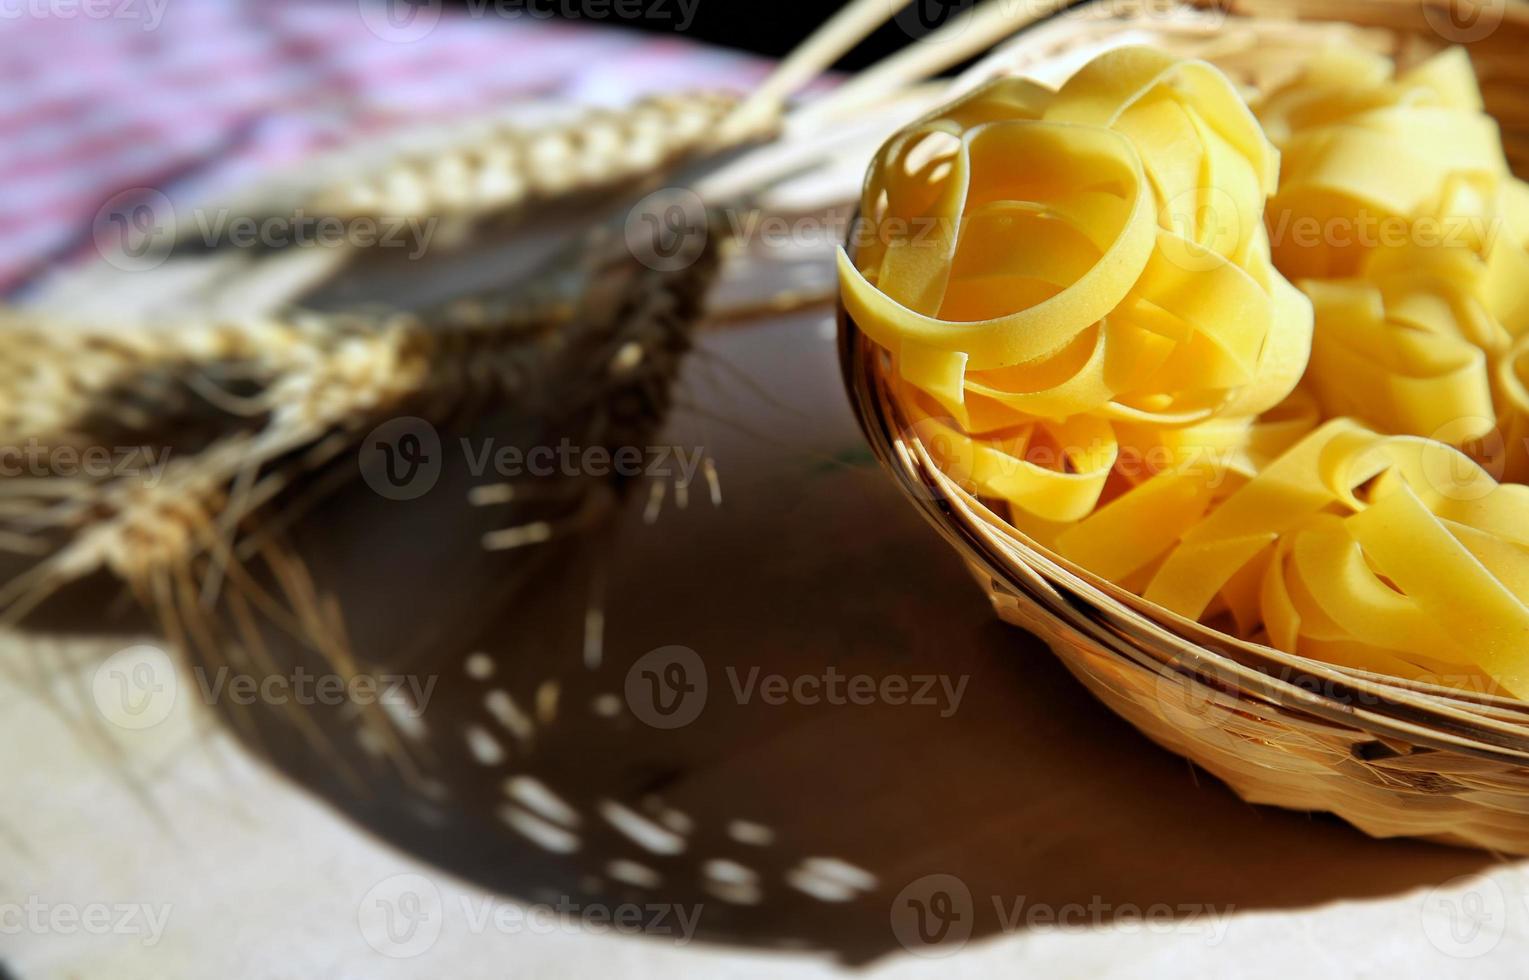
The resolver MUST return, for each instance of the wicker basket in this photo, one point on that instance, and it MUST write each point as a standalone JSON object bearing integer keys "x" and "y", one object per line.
{"x": 1392, "y": 757}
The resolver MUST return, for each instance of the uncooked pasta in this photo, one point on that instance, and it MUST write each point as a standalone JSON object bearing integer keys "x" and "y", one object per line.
{"x": 1083, "y": 301}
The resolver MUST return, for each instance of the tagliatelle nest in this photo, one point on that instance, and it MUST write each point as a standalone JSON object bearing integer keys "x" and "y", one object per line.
{"x": 1082, "y": 302}
{"x": 1337, "y": 624}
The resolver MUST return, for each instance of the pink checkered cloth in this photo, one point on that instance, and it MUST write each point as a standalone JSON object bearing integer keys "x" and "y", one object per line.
{"x": 196, "y": 97}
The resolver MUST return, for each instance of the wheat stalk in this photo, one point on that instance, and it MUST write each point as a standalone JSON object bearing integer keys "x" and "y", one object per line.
{"x": 511, "y": 166}
{"x": 286, "y": 400}
{"x": 194, "y": 544}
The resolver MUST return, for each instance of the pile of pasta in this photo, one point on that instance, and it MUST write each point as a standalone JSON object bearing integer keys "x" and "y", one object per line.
{"x": 1418, "y": 269}
{"x": 1266, "y": 371}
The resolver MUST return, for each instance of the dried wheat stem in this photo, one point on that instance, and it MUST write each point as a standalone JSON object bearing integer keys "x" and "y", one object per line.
{"x": 807, "y": 61}
{"x": 513, "y": 166}
{"x": 970, "y": 32}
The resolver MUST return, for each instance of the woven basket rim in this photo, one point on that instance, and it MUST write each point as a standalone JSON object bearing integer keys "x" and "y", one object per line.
{"x": 1424, "y": 714}
{"x": 1439, "y": 718}
{"x": 1476, "y": 723}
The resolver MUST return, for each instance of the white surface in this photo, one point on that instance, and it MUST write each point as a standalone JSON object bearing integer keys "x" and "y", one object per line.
{"x": 255, "y": 879}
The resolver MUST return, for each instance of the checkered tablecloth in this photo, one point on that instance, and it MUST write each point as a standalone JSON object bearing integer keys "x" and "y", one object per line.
{"x": 195, "y": 97}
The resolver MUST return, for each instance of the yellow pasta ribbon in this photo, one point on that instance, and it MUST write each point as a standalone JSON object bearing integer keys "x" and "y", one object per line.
{"x": 1367, "y": 156}
{"x": 1512, "y": 381}
{"x": 1398, "y": 353}
{"x": 1085, "y": 319}
{"x": 1389, "y": 553}
{"x": 1396, "y": 202}
{"x": 1055, "y": 271}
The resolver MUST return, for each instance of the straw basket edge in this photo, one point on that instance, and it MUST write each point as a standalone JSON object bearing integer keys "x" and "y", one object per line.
{"x": 1393, "y": 758}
